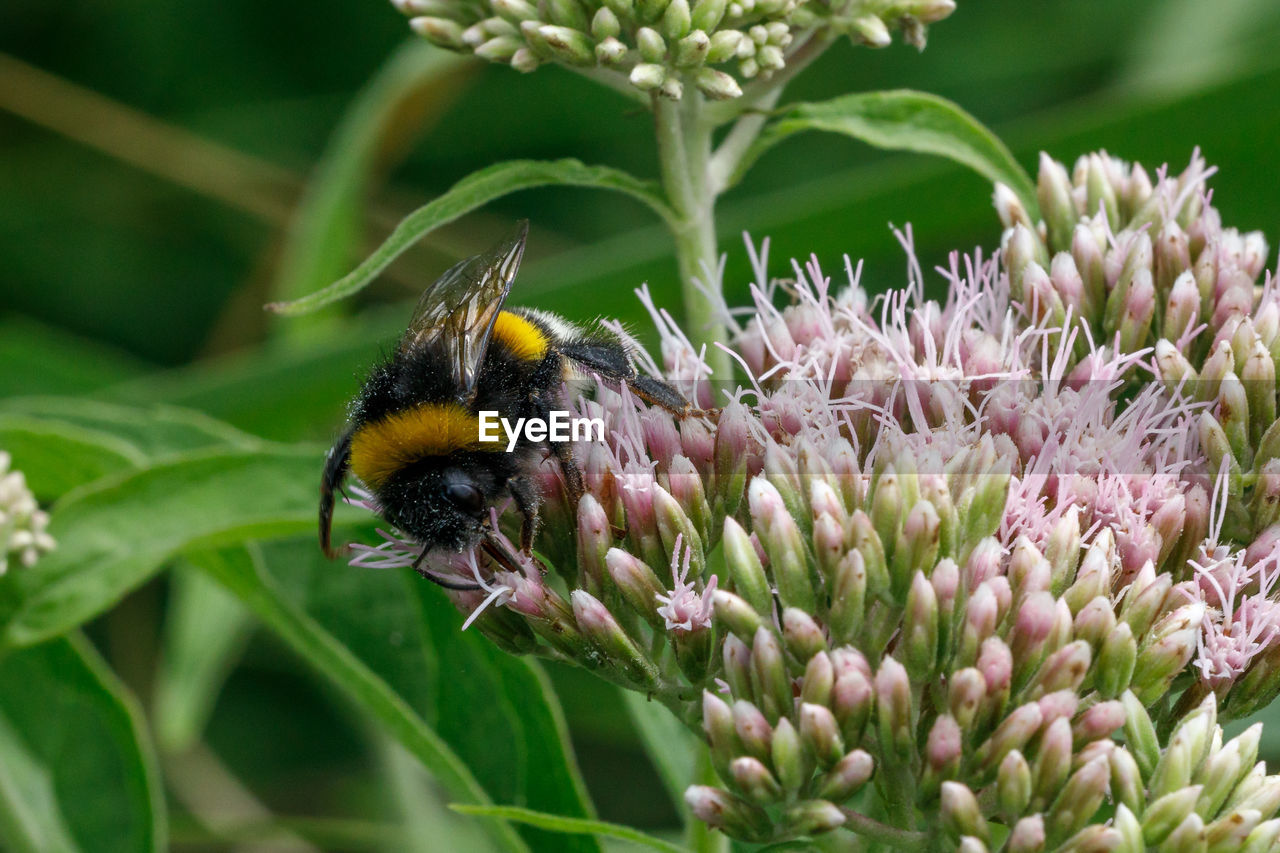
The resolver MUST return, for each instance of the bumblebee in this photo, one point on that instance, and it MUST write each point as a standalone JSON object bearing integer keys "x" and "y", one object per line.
{"x": 413, "y": 435}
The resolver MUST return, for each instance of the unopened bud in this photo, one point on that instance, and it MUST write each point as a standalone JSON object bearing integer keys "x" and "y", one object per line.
{"x": 812, "y": 817}
{"x": 1163, "y": 816}
{"x": 770, "y": 674}
{"x": 1013, "y": 785}
{"x": 1079, "y": 799}
{"x": 847, "y": 777}
{"x": 722, "y": 810}
{"x": 959, "y": 811}
{"x": 754, "y": 780}
{"x": 598, "y": 625}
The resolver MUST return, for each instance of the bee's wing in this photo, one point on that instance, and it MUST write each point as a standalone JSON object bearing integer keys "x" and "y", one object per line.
{"x": 458, "y": 311}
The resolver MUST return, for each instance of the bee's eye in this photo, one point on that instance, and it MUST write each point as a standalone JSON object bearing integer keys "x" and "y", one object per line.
{"x": 465, "y": 497}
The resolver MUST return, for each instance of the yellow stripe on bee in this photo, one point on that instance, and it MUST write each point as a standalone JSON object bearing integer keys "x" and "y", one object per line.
{"x": 381, "y": 448}
{"x": 525, "y": 340}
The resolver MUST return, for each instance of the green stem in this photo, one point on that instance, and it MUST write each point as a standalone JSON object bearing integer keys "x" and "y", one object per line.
{"x": 898, "y": 839}
{"x": 684, "y": 152}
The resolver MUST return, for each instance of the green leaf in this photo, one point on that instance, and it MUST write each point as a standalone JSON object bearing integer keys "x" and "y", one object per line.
{"x": 902, "y": 120}
{"x": 570, "y": 825}
{"x": 157, "y": 431}
{"x": 240, "y": 571}
{"x": 116, "y": 533}
{"x": 671, "y": 747}
{"x": 205, "y": 631}
{"x": 78, "y": 772}
{"x": 512, "y": 733}
{"x": 501, "y": 719}
{"x": 57, "y": 457}
{"x": 325, "y": 232}
{"x": 465, "y": 196}
{"x": 40, "y": 359}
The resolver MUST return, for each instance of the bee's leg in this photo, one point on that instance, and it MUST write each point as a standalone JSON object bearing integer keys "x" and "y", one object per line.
{"x": 609, "y": 359}
{"x": 572, "y": 473}
{"x": 527, "y": 499}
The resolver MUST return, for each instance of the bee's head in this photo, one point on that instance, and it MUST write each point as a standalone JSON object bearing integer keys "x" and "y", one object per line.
{"x": 441, "y": 502}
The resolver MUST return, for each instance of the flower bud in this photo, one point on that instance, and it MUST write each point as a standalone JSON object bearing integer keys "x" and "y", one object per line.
{"x": 1116, "y": 661}
{"x": 801, "y": 634}
{"x": 1263, "y": 838}
{"x": 782, "y": 541}
{"x": 568, "y": 45}
{"x": 1228, "y": 833}
{"x": 1167, "y": 651}
{"x": 677, "y": 19}
{"x": 943, "y": 748}
{"x": 964, "y": 696}
{"x": 1188, "y": 837}
{"x": 851, "y": 700}
{"x": 848, "y": 597}
{"x": 1065, "y": 669}
{"x": 867, "y": 542}
{"x": 718, "y": 724}
{"x": 1099, "y": 721}
{"x": 755, "y": 781}
{"x": 1057, "y": 205}
{"x": 722, "y": 810}
{"x": 648, "y": 76}
{"x": 847, "y": 777}
{"x": 1224, "y": 770}
{"x": 1163, "y": 816}
{"x": 1013, "y": 733}
{"x": 959, "y": 812}
{"x": 1013, "y": 785}
{"x": 769, "y": 677}
{"x": 793, "y": 764}
{"x": 737, "y": 666}
{"x": 819, "y": 731}
{"x": 602, "y": 630}
{"x": 1126, "y": 780}
{"x": 812, "y": 817}
{"x": 893, "y": 709}
{"x": 1027, "y": 836}
{"x": 441, "y": 32}
{"x": 636, "y": 581}
{"x": 754, "y": 731}
{"x": 736, "y": 615}
{"x": 1079, "y": 799}
{"x": 920, "y": 629}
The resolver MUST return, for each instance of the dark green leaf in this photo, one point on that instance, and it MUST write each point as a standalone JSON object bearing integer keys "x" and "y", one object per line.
{"x": 115, "y": 533}
{"x": 78, "y": 772}
{"x": 157, "y": 431}
{"x": 571, "y": 825}
{"x": 57, "y": 457}
{"x": 671, "y": 747}
{"x": 205, "y": 631}
{"x": 240, "y": 571}
{"x": 325, "y": 232}
{"x": 468, "y": 194}
{"x": 906, "y": 121}
{"x": 501, "y": 719}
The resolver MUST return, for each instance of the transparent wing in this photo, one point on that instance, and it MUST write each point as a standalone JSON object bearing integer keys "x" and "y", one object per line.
{"x": 458, "y": 311}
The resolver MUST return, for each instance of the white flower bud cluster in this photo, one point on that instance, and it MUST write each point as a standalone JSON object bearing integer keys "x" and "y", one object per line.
{"x": 663, "y": 45}
{"x": 22, "y": 523}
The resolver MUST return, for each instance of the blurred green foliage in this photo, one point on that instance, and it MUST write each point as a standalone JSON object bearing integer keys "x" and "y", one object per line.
{"x": 152, "y": 159}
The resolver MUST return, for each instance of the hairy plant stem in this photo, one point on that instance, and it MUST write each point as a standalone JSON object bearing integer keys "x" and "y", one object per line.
{"x": 693, "y": 178}
{"x": 898, "y": 839}
{"x": 684, "y": 153}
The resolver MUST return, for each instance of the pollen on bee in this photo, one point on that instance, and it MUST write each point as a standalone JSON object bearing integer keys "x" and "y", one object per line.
{"x": 524, "y": 339}
{"x": 381, "y": 448}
